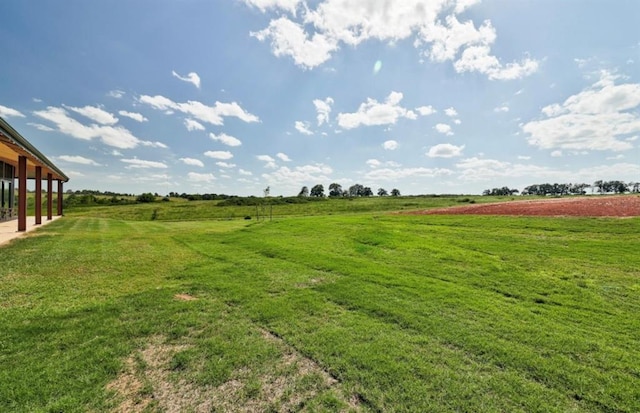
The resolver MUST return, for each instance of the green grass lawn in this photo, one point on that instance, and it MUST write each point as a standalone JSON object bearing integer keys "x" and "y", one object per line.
{"x": 359, "y": 312}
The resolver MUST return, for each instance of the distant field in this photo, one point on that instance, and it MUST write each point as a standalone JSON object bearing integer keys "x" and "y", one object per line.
{"x": 321, "y": 310}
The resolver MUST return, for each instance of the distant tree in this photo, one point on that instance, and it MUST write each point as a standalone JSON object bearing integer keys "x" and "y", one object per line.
{"x": 382, "y": 192}
{"x": 356, "y": 190}
{"x": 317, "y": 191}
{"x": 395, "y": 192}
{"x": 366, "y": 191}
{"x": 635, "y": 187}
{"x": 146, "y": 197}
{"x": 335, "y": 190}
{"x": 304, "y": 192}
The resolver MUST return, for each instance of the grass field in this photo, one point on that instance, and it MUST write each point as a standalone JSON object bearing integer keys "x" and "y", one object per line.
{"x": 346, "y": 312}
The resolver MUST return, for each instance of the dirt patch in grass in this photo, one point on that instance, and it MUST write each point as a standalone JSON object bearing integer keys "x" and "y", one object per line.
{"x": 589, "y": 206}
{"x": 148, "y": 383}
{"x": 184, "y": 297}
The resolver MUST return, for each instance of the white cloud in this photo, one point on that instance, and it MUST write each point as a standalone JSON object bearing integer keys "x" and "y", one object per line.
{"x": 293, "y": 178}
{"x": 226, "y": 165}
{"x": 312, "y": 38}
{"x": 269, "y": 161}
{"x": 96, "y": 114}
{"x": 41, "y": 127}
{"x": 323, "y": 108}
{"x": 117, "y": 94}
{"x": 210, "y": 114}
{"x": 443, "y": 128}
{"x": 154, "y": 144}
{"x": 390, "y": 145}
{"x": 426, "y": 110}
{"x": 374, "y": 113}
{"x": 501, "y": 109}
{"x": 142, "y": 164}
{"x": 115, "y": 136}
{"x": 374, "y": 163}
{"x": 395, "y": 174}
{"x": 451, "y": 112}
{"x": 8, "y": 112}
{"x": 263, "y": 5}
{"x": 196, "y": 177}
{"x": 477, "y": 169}
{"x": 133, "y": 115}
{"x": 445, "y": 150}
{"x": 78, "y": 159}
{"x": 192, "y": 77}
{"x": 116, "y": 152}
{"x": 224, "y": 155}
{"x": 192, "y": 162}
{"x": 523, "y": 157}
{"x": 225, "y": 139}
{"x": 243, "y": 172}
{"x": 598, "y": 118}
{"x": 478, "y": 59}
{"x": 556, "y": 154}
{"x": 303, "y": 127}
{"x": 192, "y": 125}
{"x": 283, "y": 157}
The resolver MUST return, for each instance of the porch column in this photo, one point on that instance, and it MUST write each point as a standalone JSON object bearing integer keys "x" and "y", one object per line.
{"x": 38, "y": 195}
{"x": 49, "y": 197}
{"x": 60, "y": 197}
{"x": 22, "y": 193}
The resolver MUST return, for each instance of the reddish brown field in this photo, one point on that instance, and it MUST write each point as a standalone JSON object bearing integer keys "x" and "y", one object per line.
{"x": 589, "y": 206}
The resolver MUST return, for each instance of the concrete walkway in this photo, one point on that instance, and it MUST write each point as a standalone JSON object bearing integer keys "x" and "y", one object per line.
{"x": 9, "y": 229}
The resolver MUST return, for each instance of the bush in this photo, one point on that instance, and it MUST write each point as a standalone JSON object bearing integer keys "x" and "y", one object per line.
{"x": 146, "y": 197}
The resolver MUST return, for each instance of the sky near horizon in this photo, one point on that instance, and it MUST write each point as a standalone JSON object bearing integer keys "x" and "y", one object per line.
{"x": 233, "y": 96}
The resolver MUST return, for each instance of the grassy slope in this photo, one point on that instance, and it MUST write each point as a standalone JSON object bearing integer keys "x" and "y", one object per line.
{"x": 410, "y": 313}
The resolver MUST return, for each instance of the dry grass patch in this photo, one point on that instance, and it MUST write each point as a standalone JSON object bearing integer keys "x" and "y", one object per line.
{"x": 148, "y": 384}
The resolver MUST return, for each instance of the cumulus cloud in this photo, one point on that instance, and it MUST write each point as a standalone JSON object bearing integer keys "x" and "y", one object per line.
{"x": 78, "y": 159}
{"x": 6, "y": 112}
{"x": 398, "y": 173}
{"x": 245, "y": 173}
{"x": 210, "y": 114}
{"x": 197, "y": 177}
{"x": 311, "y": 38}
{"x": 445, "y": 150}
{"x": 192, "y": 78}
{"x": 283, "y": 157}
{"x": 426, "y": 110}
{"x": 323, "y": 109}
{"x": 192, "y": 125}
{"x": 225, "y": 139}
{"x": 269, "y": 162}
{"x": 600, "y": 117}
{"x": 443, "y": 128}
{"x": 556, "y": 153}
{"x": 95, "y": 113}
{"x": 115, "y": 136}
{"x": 117, "y": 94}
{"x": 298, "y": 176}
{"x": 479, "y": 169}
{"x": 142, "y": 164}
{"x": 451, "y": 112}
{"x": 133, "y": 115}
{"x": 390, "y": 145}
{"x": 192, "y": 162}
{"x": 223, "y": 155}
{"x": 501, "y": 109}
{"x": 303, "y": 127}
{"x": 226, "y": 165}
{"x": 373, "y": 112}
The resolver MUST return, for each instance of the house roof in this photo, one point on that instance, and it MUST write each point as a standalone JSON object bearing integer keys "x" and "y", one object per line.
{"x": 13, "y": 144}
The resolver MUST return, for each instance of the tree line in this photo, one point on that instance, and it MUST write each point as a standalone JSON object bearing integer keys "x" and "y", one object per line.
{"x": 336, "y": 191}
{"x": 602, "y": 187}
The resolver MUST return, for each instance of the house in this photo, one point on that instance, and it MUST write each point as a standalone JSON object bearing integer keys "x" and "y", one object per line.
{"x": 21, "y": 161}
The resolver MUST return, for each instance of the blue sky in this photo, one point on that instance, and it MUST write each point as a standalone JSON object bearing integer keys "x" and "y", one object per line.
{"x": 232, "y": 96}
